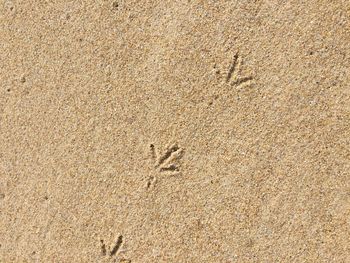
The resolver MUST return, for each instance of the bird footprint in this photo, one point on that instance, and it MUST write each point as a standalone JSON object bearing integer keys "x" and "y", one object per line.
{"x": 167, "y": 161}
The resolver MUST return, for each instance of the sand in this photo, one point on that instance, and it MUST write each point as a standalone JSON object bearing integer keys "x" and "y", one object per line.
{"x": 175, "y": 131}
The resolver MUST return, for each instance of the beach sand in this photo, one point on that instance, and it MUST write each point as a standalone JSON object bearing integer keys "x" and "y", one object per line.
{"x": 175, "y": 131}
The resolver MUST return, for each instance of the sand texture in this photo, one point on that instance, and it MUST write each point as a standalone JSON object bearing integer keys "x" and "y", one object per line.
{"x": 175, "y": 131}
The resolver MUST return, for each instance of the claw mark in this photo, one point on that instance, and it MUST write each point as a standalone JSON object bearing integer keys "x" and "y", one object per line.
{"x": 242, "y": 82}
{"x": 153, "y": 152}
{"x": 103, "y": 248}
{"x": 232, "y": 68}
{"x": 172, "y": 167}
{"x": 233, "y": 72}
{"x": 151, "y": 181}
{"x": 117, "y": 246}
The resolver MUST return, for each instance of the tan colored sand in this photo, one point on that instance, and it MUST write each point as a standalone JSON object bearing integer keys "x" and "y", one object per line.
{"x": 175, "y": 131}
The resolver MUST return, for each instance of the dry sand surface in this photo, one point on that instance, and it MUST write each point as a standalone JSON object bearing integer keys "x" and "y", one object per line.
{"x": 175, "y": 131}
